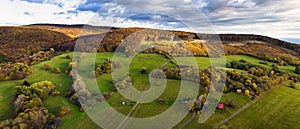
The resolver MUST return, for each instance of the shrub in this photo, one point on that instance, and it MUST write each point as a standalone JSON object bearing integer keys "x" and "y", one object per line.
{"x": 275, "y": 67}
{"x": 62, "y": 110}
{"x": 281, "y": 63}
{"x": 143, "y": 70}
{"x": 247, "y": 92}
{"x": 68, "y": 57}
{"x": 223, "y": 127}
{"x": 243, "y": 61}
{"x": 26, "y": 83}
{"x": 47, "y": 67}
{"x": 264, "y": 62}
{"x": 231, "y": 103}
{"x": 297, "y": 70}
{"x": 57, "y": 70}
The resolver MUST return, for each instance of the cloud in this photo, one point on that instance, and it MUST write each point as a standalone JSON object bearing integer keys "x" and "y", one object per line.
{"x": 28, "y": 13}
{"x": 276, "y": 18}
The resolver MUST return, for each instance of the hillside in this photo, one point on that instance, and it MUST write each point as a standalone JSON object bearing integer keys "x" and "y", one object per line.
{"x": 44, "y": 83}
{"x": 16, "y": 42}
{"x": 64, "y": 37}
{"x": 75, "y": 31}
{"x": 258, "y": 46}
{"x": 72, "y": 31}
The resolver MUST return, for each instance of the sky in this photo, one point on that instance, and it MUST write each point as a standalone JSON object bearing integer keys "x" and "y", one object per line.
{"x": 274, "y": 18}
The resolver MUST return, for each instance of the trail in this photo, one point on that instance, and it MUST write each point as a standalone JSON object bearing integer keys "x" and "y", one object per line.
{"x": 121, "y": 125}
{"x": 190, "y": 120}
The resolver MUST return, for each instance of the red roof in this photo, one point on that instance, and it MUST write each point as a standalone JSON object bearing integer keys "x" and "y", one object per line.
{"x": 221, "y": 106}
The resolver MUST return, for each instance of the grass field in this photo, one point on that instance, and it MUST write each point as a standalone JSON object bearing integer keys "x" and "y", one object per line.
{"x": 140, "y": 81}
{"x": 256, "y": 61}
{"x": 204, "y": 62}
{"x": 219, "y": 115}
{"x": 62, "y": 83}
{"x": 278, "y": 109}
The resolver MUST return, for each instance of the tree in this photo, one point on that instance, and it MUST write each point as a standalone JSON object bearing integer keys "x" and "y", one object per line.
{"x": 52, "y": 50}
{"x": 247, "y": 92}
{"x": 26, "y": 83}
{"x": 57, "y": 70}
{"x": 243, "y": 61}
{"x": 275, "y": 67}
{"x": 297, "y": 70}
{"x": 68, "y": 57}
{"x": 47, "y": 67}
{"x": 231, "y": 103}
{"x": 62, "y": 110}
{"x": 143, "y": 70}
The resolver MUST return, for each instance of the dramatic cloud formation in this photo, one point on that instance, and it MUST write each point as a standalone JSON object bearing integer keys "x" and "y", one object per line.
{"x": 276, "y": 18}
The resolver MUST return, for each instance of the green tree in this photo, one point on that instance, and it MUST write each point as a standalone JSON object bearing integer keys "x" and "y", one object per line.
{"x": 57, "y": 70}
{"x": 247, "y": 92}
{"x": 68, "y": 57}
{"x": 62, "y": 110}
{"x": 47, "y": 67}
{"x": 297, "y": 69}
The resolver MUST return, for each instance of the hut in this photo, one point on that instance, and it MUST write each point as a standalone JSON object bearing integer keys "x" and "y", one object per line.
{"x": 220, "y": 106}
{"x": 238, "y": 90}
{"x": 161, "y": 101}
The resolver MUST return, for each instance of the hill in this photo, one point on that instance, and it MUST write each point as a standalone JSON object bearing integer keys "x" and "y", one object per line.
{"x": 72, "y": 31}
{"x": 64, "y": 37}
{"x": 247, "y": 77}
{"x": 262, "y": 47}
{"x": 16, "y": 42}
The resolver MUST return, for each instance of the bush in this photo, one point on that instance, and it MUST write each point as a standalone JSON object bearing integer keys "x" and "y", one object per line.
{"x": 26, "y": 83}
{"x": 243, "y": 61}
{"x": 275, "y": 67}
{"x": 62, "y": 110}
{"x": 47, "y": 67}
{"x": 297, "y": 70}
{"x": 143, "y": 70}
{"x": 264, "y": 62}
{"x": 57, "y": 70}
{"x": 68, "y": 57}
{"x": 231, "y": 103}
{"x": 247, "y": 92}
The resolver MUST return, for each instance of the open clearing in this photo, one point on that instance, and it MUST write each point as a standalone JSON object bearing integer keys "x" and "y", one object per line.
{"x": 277, "y": 100}
{"x": 278, "y": 109}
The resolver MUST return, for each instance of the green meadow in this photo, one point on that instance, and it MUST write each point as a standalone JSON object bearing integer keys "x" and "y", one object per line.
{"x": 272, "y": 108}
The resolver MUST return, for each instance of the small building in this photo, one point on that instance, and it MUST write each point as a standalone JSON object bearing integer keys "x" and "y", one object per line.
{"x": 220, "y": 106}
{"x": 161, "y": 101}
{"x": 126, "y": 103}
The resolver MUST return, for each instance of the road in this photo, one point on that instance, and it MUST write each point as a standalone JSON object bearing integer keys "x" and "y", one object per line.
{"x": 245, "y": 107}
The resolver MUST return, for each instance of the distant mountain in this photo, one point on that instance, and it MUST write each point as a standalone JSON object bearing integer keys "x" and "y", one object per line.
{"x": 17, "y": 41}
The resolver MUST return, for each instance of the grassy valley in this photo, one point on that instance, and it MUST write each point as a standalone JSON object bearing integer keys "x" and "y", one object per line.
{"x": 265, "y": 83}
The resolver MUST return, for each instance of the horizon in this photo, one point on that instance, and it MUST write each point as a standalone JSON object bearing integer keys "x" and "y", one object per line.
{"x": 289, "y": 40}
{"x": 259, "y": 17}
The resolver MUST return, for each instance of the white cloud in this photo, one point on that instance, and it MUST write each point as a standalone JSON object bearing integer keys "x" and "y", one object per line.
{"x": 276, "y": 18}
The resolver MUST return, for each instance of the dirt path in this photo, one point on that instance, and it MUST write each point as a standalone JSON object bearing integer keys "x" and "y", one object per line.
{"x": 128, "y": 116}
{"x": 246, "y": 106}
{"x": 187, "y": 122}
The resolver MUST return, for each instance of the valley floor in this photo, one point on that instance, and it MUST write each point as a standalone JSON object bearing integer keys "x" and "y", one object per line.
{"x": 280, "y": 106}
